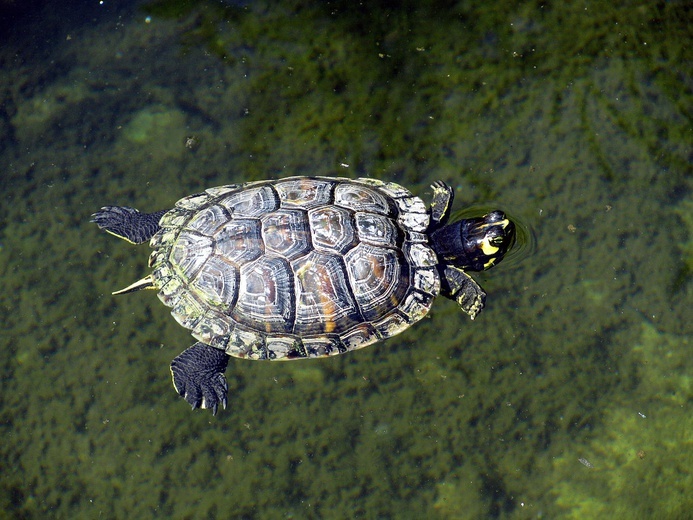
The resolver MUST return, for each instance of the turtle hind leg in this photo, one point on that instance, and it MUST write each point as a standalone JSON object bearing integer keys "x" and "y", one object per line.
{"x": 198, "y": 376}
{"x": 128, "y": 223}
{"x": 459, "y": 286}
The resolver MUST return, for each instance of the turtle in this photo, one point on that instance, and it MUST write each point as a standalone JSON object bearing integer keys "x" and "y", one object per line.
{"x": 303, "y": 267}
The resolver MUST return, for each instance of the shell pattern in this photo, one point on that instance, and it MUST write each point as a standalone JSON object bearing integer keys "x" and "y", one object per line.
{"x": 295, "y": 268}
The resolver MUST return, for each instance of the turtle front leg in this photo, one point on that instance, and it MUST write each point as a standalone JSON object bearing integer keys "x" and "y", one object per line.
{"x": 459, "y": 286}
{"x": 441, "y": 204}
{"x": 198, "y": 376}
{"x": 128, "y": 223}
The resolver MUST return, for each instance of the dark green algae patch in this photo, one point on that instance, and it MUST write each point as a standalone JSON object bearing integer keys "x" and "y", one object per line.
{"x": 569, "y": 396}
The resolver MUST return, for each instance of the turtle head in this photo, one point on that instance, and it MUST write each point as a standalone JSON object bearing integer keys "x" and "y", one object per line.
{"x": 475, "y": 244}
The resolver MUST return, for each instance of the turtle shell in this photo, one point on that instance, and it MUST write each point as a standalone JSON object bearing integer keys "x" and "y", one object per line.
{"x": 298, "y": 267}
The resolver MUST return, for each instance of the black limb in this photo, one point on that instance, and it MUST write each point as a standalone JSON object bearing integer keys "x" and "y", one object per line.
{"x": 459, "y": 286}
{"x": 128, "y": 223}
{"x": 198, "y": 376}
{"x": 441, "y": 204}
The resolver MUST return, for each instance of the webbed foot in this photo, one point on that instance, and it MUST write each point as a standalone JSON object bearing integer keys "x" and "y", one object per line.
{"x": 128, "y": 223}
{"x": 198, "y": 376}
{"x": 459, "y": 286}
{"x": 441, "y": 203}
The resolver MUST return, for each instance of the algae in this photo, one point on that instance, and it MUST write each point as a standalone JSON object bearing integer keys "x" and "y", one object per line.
{"x": 575, "y": 118}
{"x": 158, "y": 128}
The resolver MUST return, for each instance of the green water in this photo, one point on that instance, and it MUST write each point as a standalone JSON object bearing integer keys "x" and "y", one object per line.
{"x": 568, "y": 397}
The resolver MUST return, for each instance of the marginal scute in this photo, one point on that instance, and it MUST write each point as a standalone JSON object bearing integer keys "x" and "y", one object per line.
{"x": 173, "y": 220}
{"x": 285, "y": 347}
{"x": 414, "y": 221}
{"x": 170, "y": 225}
{"x": 420, "y": 255}
{"x": 427, "y": 280}
{"x": 155, "y": 258}
{"x": 360, "y": 336}
{"x": 220, "y": 342}
{"x": 324, "y": 345}
{"x": 247, "y": 343}
{"x": 225, "y": 190}
{"x": 392, "y": 324}
{"x": 216, "y": 326}
{"x": 417, "y": 238}
{"x": 391, "y": 189}
{"x": 192, "y": 202}
{"x": 411, "y": 205}
{"x": 169, "y": 290}
{"x": 162, "y": 273}
{"x": 416, "y": 305}
{"x": 188, "y": 311}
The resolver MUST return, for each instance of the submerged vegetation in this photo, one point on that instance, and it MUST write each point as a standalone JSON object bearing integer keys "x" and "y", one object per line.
{"x": 568, "y": 397}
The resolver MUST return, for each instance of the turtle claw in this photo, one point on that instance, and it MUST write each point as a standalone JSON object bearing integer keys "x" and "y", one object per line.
{"x": 198, "y": 376}
{"x": 214, "y": 393}
{"x": 216, "y": 405}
